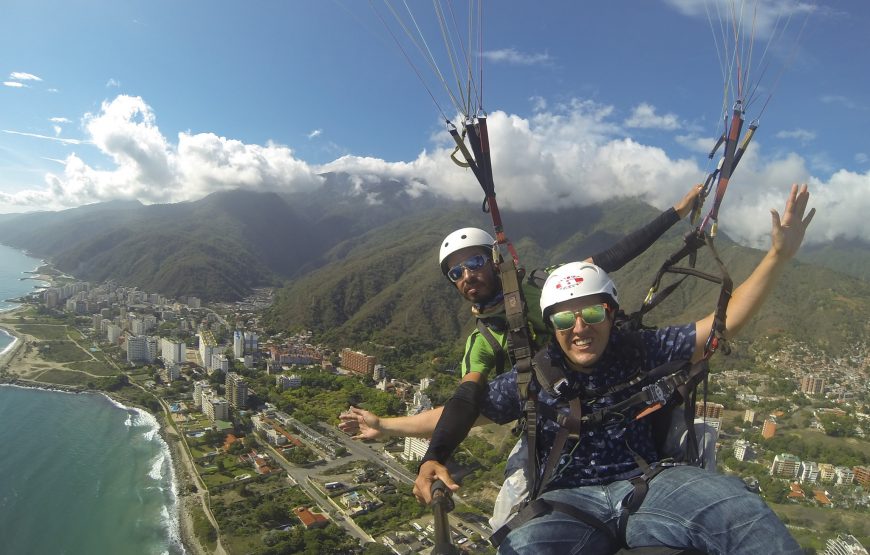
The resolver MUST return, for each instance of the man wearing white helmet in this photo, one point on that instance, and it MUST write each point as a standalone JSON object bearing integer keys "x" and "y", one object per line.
{"x": 465, "y": 257}
{"x": 606, "y": 485}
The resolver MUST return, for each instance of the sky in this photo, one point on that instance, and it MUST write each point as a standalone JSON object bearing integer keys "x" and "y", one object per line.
{"x": 168, "y": 101}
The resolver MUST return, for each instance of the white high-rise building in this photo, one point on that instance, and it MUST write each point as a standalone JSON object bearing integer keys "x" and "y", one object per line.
{"x": 236, "y": 390}
{"x": 200, "y": 389}
{"x": 415, "y": 448}
{"x": 742, "y": 450}
{"x": 844, "y": 475}
{"x": 219, "y": 362}
{"x": 238, "y": 344}
{"x": 137, "y": 349}
{"x": 173, "y": 352}
{"x": 845, "y": 545}
{"x": 113, "y": 333}
{"x": 785, "y": 465}
{"x": 809, "y": 472}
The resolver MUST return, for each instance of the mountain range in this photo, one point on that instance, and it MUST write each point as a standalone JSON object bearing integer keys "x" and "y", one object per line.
{"x": 358, "y": 262}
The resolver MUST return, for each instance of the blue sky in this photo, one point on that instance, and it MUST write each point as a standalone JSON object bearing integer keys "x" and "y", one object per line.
{"x": 165, "y": 101}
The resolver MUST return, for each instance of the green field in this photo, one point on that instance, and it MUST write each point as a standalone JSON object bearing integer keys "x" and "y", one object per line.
{"x": 94, "y": 367}
{"x": 64, "y": 377}
{"x": 44, "y": 331}
{"x": 62, "y": 351}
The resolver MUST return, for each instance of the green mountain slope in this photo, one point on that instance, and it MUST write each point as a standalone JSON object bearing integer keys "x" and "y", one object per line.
{"x": 385, "y": 287}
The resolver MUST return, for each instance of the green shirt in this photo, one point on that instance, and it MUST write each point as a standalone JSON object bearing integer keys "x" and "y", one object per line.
{"x": 480, "y": 356}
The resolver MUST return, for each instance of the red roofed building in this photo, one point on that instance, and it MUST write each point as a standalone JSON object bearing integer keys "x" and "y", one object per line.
{"x": 821, "y": 498}
{"x": 309, "y": 519}
{"x": 796, "y": 493}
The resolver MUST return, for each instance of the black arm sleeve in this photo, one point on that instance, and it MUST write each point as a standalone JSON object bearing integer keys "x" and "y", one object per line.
{"x": 460, "y": 412}
{"x": 635, "y": 242}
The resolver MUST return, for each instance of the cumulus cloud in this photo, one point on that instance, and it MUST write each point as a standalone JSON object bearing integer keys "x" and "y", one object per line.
{"x": 21, "y": 76}
{"x": 513, "y": 56}
{"x": 801, "y": 135}
{"x": 576, "y": 154}
{"x": 148, "y": 167}
{"x": 13, "y": 84}
{"x": 644, "y": 116}
{"x": 572, "y": 154}
{"x": 765, "y": 17}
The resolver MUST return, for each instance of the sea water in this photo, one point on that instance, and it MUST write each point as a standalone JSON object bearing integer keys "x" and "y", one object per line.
{"x": 79, "y": 474}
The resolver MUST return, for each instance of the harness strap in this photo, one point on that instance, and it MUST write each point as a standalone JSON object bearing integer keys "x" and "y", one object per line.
{"x": 558, "y": 445}
{"x": 540, "y": 507}
{"x": 497, "y": 349}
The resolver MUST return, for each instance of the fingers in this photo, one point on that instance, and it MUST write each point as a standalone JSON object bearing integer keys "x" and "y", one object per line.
{"x": 774, "y": 215}
{"x": 809, "y": 218}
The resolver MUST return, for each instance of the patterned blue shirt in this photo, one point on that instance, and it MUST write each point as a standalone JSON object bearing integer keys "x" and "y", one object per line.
{"x": 600, "y": 456}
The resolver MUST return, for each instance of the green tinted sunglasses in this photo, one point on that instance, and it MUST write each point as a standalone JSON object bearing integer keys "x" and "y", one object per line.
{"x": 566, "y": 319}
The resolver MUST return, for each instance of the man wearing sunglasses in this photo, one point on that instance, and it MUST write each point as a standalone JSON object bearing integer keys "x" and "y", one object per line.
{"x": 465, "y": 258}
{"x": 593, "y": 475}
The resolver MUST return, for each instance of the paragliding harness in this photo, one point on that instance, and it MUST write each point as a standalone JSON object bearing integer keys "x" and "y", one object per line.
{"x": 519, "y": 338}
{"x": 670, "y": 386}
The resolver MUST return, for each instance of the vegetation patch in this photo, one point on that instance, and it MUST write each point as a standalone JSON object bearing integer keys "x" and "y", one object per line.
{"x": 93, "y": 367}
{"x": 62, "y": 351}
{"x": 45, "y": 331}
{"x": 64, "y": 377}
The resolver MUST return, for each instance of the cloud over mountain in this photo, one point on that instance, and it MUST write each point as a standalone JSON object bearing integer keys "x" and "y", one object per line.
{"x": 575, "y": 153}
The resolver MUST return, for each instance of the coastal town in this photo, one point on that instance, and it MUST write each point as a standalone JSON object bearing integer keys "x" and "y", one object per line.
{"x": 250, "y": 417}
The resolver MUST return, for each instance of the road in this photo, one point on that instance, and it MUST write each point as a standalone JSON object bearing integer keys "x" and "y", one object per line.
{"x": 300, "y": 477}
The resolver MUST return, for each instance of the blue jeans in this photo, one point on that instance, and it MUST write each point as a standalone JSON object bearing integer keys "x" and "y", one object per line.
{"x": 685, "y": 507}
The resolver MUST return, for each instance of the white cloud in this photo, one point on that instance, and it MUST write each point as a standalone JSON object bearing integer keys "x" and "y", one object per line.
{"x": 768, "y": 17}
{"x": 573, "y": 154}
{"x": 315, "y": 133}
{"x": 112, "y": 82}
{"x": 149, "y": 168}
{"x": 862, "y": 157}
{"x": 21, "y": 76}
{"x": 57, "y": 129}
{"x": 539, "y": 103}
{"x": 513, "y": 56}
{"x": 801, "y": 135}
{"x": 13, "y": 84}
{"x": 644, "y": 117}
{"x": 576, "y": 155}
{"x": 842, "y": 101}
{"x": 59, "y": 120}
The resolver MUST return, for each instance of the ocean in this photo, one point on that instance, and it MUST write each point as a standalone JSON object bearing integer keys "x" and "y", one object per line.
{"x": 79, "y": 474}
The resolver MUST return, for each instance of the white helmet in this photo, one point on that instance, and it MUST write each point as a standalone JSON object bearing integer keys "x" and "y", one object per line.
{"x": 573, "y": 280}
{"x": 460, "y": 239}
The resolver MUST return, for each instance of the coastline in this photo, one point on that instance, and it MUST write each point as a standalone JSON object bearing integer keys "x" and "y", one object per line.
{"x": 17, "y": 370}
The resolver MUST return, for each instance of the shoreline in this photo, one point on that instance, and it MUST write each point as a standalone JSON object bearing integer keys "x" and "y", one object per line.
{"x": 16, "y": 371}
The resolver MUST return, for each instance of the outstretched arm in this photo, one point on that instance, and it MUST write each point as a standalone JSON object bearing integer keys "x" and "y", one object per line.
{"x": 635, "y": 243}
{"x": 367, "y": 425}
{"x": 786, "y": 238}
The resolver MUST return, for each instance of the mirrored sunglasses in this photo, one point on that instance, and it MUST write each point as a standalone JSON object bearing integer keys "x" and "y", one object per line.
{"x": 474, "y": 263}
{"x": 566, "y": 319}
